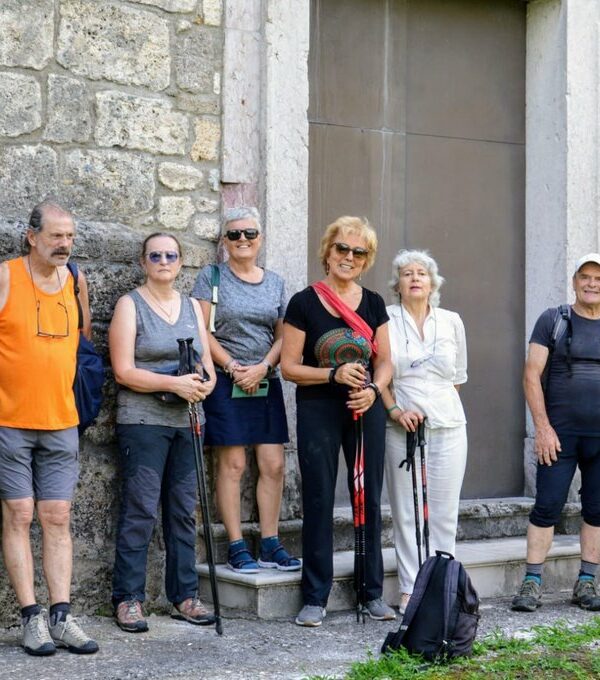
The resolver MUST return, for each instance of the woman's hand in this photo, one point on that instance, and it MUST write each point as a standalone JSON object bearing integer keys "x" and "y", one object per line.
{"x": 191, "y": 387}
{"x": 248, "y": 377}
{"x": 353, "y": 374}
{"x": 408, "y": 419}
{"x": 361, "y": 400}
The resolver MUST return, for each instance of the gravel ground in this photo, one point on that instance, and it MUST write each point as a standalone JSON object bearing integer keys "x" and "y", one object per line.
{"x": 249, "y": 649}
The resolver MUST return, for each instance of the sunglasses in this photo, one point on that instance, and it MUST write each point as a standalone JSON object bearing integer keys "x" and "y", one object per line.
{"x": 236, "y": 234}
{"x": 344, "y": 249}
{"x": 44, "y": 334}
{"x": 156, "y": 256}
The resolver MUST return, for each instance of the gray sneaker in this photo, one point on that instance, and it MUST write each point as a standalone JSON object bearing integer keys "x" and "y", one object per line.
{"x": 68, "y": 634}
{"x": 36, "y": 638}
{"x": 379, "y": 610}
{"x": 529, "y": 598}
{"x": 586, "y": 595}
{"x": 311, "y": 615}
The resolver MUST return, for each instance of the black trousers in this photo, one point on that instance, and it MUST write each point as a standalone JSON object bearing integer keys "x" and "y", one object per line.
{"x": 323, "y": 426}
{"x": 158, "y": 467}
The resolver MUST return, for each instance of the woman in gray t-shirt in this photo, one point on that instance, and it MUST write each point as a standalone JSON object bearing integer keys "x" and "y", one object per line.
{"x": 154, "y": 437}
{"x": 246, "y": 407}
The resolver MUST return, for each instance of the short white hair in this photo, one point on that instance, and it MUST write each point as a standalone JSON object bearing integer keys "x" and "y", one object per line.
{"x": 422, "y": 257}
{"x": 241, "y": 213}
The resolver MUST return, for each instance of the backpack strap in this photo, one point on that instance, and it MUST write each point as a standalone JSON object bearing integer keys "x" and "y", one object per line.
{"x": 450, "y": 595}
{"x": 215, "y": 280}
{"x": 562, "y": 323}
{"x": 72, "y": 267}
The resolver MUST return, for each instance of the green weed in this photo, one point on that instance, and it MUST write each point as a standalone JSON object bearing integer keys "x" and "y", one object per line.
{"x": 555, "y": 652}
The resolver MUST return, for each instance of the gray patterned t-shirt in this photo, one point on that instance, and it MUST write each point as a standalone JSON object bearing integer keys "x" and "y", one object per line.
{"x": 246, "y": 312}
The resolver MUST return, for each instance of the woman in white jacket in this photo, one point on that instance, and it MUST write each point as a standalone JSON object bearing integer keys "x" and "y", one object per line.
{"x": 429, "y": 356}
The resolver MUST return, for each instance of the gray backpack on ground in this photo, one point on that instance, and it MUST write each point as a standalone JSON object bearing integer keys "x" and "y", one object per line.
{"x": 442, "y": 615}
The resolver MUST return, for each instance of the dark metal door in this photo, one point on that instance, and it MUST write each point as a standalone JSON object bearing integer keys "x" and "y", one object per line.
{"x": 417, "y": 121}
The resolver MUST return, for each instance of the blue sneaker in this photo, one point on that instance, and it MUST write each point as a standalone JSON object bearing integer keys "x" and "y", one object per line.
{"x": 240, "y": 559}
{"x": 274, "y": 556}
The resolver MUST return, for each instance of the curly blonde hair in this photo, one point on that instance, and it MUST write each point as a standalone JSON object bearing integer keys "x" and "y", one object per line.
{"x": 346, "y": 225}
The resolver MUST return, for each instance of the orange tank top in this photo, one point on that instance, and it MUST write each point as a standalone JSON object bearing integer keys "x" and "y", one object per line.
{"x": 38, "y": 354}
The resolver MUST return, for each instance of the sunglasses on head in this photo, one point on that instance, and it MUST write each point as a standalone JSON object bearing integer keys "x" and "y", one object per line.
{"x": 344, "y": 249}
{"x": 156, "y": 256}
{"x": 236, "y": 234}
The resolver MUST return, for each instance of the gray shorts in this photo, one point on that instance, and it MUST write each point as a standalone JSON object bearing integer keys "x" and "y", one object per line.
{"x": 40, "y": 464}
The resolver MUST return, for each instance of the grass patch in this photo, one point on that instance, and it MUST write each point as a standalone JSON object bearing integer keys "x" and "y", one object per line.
{"x": 553, "y": 652}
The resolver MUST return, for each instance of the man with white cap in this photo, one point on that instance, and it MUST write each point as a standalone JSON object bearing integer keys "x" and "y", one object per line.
{"x": 562, "y": 388}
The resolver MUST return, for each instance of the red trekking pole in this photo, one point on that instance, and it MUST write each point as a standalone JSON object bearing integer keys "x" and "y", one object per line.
{"x": 358, "y": 506}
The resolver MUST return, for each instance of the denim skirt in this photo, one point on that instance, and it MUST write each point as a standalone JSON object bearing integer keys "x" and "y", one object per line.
{"x": 243, "y": 421}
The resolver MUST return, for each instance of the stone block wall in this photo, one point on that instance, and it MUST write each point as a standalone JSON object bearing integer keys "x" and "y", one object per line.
{"x": 113, "y": 107}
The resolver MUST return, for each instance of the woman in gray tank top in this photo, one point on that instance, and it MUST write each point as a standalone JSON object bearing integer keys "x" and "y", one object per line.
{"x": 154, "y": 437}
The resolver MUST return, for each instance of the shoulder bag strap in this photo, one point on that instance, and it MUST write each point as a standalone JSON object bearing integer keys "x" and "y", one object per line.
{"x": 215, "y": 279}
{"x": 72, "y": 267}
{"x": 355, "y": 322}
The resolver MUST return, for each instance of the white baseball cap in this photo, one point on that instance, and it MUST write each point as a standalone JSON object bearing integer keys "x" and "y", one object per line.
{"x": 590, "y": 257}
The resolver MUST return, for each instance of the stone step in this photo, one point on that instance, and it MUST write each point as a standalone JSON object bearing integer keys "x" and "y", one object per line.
{"x": 478, "y": 518}
{"x": 495, "y": 567}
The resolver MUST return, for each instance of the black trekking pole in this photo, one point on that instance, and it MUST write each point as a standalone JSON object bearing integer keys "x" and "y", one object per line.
{"x": 360, "y": 548}
{"x": 411, "y": 447}
{"x": 186, "y": 350}
{"x": 422, "y": 442}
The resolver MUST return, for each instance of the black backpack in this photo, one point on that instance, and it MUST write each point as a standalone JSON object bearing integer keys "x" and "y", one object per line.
{"x": 442, "y": 615}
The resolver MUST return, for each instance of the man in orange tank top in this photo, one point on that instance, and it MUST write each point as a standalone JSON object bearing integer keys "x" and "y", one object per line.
{"x": 39, "y": 445}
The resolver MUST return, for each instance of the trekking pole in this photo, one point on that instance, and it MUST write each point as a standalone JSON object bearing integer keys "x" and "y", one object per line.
{"x": 360, "y": 552}
{"x": 185, "y": 346}
{"x": 411, "y": 447}
{"x": 422, "y": 442}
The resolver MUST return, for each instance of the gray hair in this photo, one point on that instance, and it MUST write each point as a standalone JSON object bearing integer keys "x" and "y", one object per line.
{"x": 240, "y": 213}
{"x": 36, "y": 219}
{"x": 422, "y": 257}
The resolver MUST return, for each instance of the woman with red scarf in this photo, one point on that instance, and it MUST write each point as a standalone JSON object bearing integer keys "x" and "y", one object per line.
{"x": 336, "y": 349}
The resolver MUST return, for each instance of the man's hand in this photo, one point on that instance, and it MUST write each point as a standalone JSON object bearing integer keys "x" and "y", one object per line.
{"x": 547, "y": 445}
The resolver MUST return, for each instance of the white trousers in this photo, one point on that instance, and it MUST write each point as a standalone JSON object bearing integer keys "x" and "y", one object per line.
{"x": 446, "y": 457}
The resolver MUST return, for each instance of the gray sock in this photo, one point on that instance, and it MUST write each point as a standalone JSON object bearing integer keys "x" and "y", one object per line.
{"x": 534, "y": 571}
{"x": 588, "y": 569}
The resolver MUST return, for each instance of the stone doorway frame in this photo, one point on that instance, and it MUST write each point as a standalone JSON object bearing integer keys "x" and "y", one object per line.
{"x": 265, "y": 140}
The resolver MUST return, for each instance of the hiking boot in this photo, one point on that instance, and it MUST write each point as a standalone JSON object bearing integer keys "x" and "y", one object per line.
{"x": 586, "y": 595}
{"x": 68, "y": 633}
{"x": 240, "y": 560}
{"x": 130, "y": 617}
{"x": 377, "y": 609}
{"x": 193, "y": 611}
{"x": 311, "y": 615}
{"x": 36, "y": 637}
{"x": 274, "y": 556}
{"x": 529, "y": 598}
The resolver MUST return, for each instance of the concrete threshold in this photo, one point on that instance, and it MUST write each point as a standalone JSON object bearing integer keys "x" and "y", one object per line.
{"x": 495, "y": 567}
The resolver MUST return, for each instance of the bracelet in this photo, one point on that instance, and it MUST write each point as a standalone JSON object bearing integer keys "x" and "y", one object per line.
{"x": 264, "y": 362}
{"x": 375, "y": 389}
{"x": 392, "y": 408}
{"x": 332, "y": 373}
{"x": 226, "y": 366}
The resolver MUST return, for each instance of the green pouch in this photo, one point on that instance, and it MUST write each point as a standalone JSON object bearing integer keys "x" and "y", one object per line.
{"x": 262, "y": 391}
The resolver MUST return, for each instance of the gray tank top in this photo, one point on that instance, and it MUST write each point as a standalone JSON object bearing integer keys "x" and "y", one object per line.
{"x": 156, "y": 349}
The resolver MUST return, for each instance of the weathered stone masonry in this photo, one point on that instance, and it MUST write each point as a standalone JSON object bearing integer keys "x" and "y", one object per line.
{"x": 113, "y": 107}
